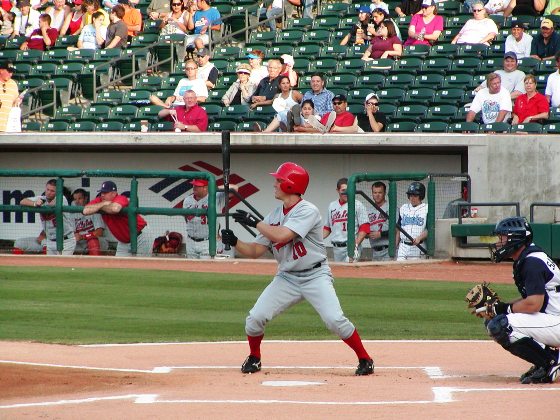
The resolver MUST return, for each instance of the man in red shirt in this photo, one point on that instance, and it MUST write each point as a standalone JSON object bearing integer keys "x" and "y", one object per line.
{"x": 110, "y": 203}
{"x": 42, "y": 38}
{"x": 340, "y": 120}
{"x": 189, "y": 117}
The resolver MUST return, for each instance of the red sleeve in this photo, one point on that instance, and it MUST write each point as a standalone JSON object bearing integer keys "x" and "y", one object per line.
{"x": 347, "y": 120}
{"x": 327, "y": 228}
{"x": 516, "y": 106}
{"x": 543, "y": 105}
{"x": 53, "y": 34}
{"x": 324, "y": 118}
{"x": 122, "y": 200}
{"x": 202, "y": 120}
{"x": 94, "y": 201}
{"x": 364, "y": 228}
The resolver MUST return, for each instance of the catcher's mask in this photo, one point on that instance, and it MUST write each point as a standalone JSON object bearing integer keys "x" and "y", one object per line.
{"x": 517, "y": 232}
{"x": 294, "y": 178}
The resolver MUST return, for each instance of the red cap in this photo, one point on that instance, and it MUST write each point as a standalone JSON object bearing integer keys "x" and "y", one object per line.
{"x": 199, "y": 183}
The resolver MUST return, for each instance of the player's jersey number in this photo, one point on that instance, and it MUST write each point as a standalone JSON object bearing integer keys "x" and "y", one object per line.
{"x": 298, "y": 250}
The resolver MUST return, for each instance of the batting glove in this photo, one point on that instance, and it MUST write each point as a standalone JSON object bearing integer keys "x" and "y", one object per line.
{"x": 228, "y": 237}
{"x": 245, "y": 218}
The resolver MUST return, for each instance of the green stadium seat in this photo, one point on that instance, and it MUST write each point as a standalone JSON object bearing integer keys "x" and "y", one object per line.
{"x": 530, "y": 128}
{"x": 432, "y": 127}
{"x": 528, "y": 21}
{"x": 333, "y": 51}
{"x": 238, "y": 112}
{"x": 27, "y": 126}
{"x": 81, "y": 55}
{"x": 350, "y": 65}
{"x": 358, "y": 95}
{"x": 301, "y": 23}
{"x": 278, "y": 50}
{"x": 64, "y": 87}
{"x": 110, "y": 97}
{"x": 66, "y": 41}
{"x": 463, "y": 127}
{"x": 401, "y": 127}
{"x": 56, "y": 54}
{"x": 43, "y": 70}
{"x": 68, "y": 112}
{"x": 317, "y": 36}
{"x": 528, "y": 64}
{"x": 14, "y": 43}
{"x": 451, "y": 96}
{"x": 82, "y": 126}
{"x": 214, "y": 95}
{"x": 402, "y": 22}
{"x": 144, "y": 39}
{"x": 229, "y": 52}
{"x": 423, "y": 96}
{"x": 388, "y": 109}
{"x": 261, "y": 113}
{"x": 464, "y": 65}
{"x": 107, "y": 54}
{"x": 356, "y": 51}
{"x": 342, "y": 80}
{"x": 301, "y": 64}
{"x": 163, "y": 126}
{"x": 212, "y": 110}
{"x": 489, "y": 65}
{"x": 150, "y": 83}
{"x": 266, "y": 38}
{"x": 8, "y": 55}
{"x": 96, "y": 112}
{"x": 433, "y": 81}
{"x": 497, "y": 127}
{"x": 132, "y": 126}
{"x": 459, "y": 80}
{"x": 420, "y": 50}
{"x": 222, "y": 125}
{"x": 289, "y": 37}
{"x": 551, "y": 129}
{"x": 308, "y": 51}
{"x": 326, "y": 22}
{"x": 325, "y": 65}
{"x": 447, "y": 35}
{"x": 391, "y": 95}
{"x": 444, "y": 50}
{"x": 441, "y": 113}
{"x": 29, "y": 55}
{"x": 137, "y": 97}
{"x": 249, "y": 126}
{"x": 123, "y": 112}
{"x": 472, "y": 50}
{"x": 371, "y": 80}
{"x": 407, "y": 65}
{"x": 433, "y": 65}
{"x": 378, "y": 65}
{"x": 399, "y": 80}
{"x": 58, "y": 126}
{"x": 151, "y": 25}
{"x": 334, "y": 9}
{"x": 22, "y": 70}
{"x": 148, "y": 112}
{"x": 410, "y": 113}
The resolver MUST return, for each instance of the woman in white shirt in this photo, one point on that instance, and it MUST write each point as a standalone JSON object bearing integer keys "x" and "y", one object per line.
{"x": 480, "y": 30}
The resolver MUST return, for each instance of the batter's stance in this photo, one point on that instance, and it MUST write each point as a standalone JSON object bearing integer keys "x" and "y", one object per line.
{"x": 294, "y": 233}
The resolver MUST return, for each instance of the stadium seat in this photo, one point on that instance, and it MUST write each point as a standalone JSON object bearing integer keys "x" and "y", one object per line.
{"x": 222, "y": 126}
{"x": 301, "y": 64}
{"x": 433, "y": 81}
{"x": 356, "y": 51}
{"x": 326, "y": 22}
{"x": 444, "y": 50}
{"x": 64, "y": 88}
{"x": 401, "y": 127}
{"x": 497, "y": 127}
{"x": 261, "y": 113}
{"x": 132, "y": 126}
{"x": 214, "y": 95}
{"x": 137, "y": 97}
{"x": 459, "y": 80}
{"x": 432, "y": 127}
{"x": 27, "y": 126}
{"x": 300, "y": 23}
{"x": 68, "y": 112}
{"x": 149, "y": 112}
{"x": 144, "y": 39}
{"x": 289, "y": 37}
{"x": 388, "y": 109}
{"x": 317, "y": 36}
{"x": 391, "y": 95}
{"x": 420, "y": 50}
{"x": 457, "y": 21}
{"x": 463, "y": 127}
{"x": 358, "y": 95}
{"x": 109, "y": 126}
{"x": 342, "y": 80}
{"x": 123, "y": 112}
{"x": 334, "y": 9}
{"x": 407, "y": 65}
{"x": 266, "y": 38}
{"x": 433, "y": 65}
{"x": 530, "y": 128}
{"x": 333, "y": 51}
{"x": 473, "y": 50}
{"x": 22, "y": 70}
{"x": 82, "y": 126}
{"x": 151, "y": 26}
{"x": 528, "y": 64}
{"x": 350, "y": 65}
{"x": 398, "y": 80}
{"x": 423, "y": 96}
{"x": 229, "y": 52}
{"x": 238, "y": 112}
{"x": 371, "y": 80}
{"x": 163, "y": 126}
{"x": 249, "y": 126}
{"x": 8, "y": 55}
{"x": 110, "y": 97}
{"x": 81, "y": 56}
{"x": 410, "y": 113}
{"x": 59, "y": 55}
{"x": 325, "y": 65}
{"x": 212, "y": 110}
{"x": 377, "y": 65}
{"x": 551, "y": 129}
{"x": 56, "y": 126}
{"x": 308, "y": 51}
{"x": 451, "y": 96}
{"x": 43, "y": 70}
{"x": 489, "y": 65}
{"x": 464, "y": 65}
{"x": 29, "y": 55}
{"x": 278, "y": 50}
{"x": 441, "y": 113}
{"x": 66, "y": 41}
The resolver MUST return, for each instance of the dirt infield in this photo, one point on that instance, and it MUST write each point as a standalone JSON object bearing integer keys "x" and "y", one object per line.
{"x": 311, "y": 380}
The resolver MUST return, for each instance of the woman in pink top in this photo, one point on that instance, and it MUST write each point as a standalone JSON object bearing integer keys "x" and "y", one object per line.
{"x": 386, "y": 44}
{"x": 425, "y": 27}
{"x": 74, "y": 22}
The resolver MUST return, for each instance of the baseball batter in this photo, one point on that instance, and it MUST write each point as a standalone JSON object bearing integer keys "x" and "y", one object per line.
{"x": 412, "y": 219}
{"x": 528, "y": 327}
{"x": 378, "y": 223}
{"x": 110, "y": 203}
{"x": 293, "y": 232}
{"x": 197, "y": 244}
{"x": 88, "y": 229}
{"x": 48, "y": 220}
{"x": 337, "y": 224}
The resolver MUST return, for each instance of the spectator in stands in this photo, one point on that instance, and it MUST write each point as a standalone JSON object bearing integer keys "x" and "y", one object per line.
{"x": 9, "y": 94}
{"x": 493, "y": 101}
{"x": 132, "y": 18}
{"x": 308, "y": 121}
{"x": 378, "y": 4}
{"x": 512, "y": 78}
{"x": 267, "y": 87}
{"x": 191, "y": 82}
{"x": 321, "y": 97}
{"x": 552, "y": 90}
{"x": 189, "y": 116}
{"x": 283, "y": 102}
{"x": 92, "y": 6}
{"x": 27, "y": 20}
{"x": 364, "y": 16}
{"x": 93, "y": 36}
{"x": 8, "y": 20}
{"x": 258, "y": 71}
{"x": 288, "y": 69}
{"x": 58, "y": 12}
{"x": 378, "y": 16}
{"x": 206, "y": 70}
{"x": 525, "y": 8}
{"x": 385, "y": 45}
{"x": 176, "y": 21}
{"x": 74, "y": 21}
{"x": 531, "y": 106}
{"x": 496, "y": 7}
{"x": 552, "y": 8}
{"x": 546, "y": 44}
{"x": 42, "y": 38}
{"x": 519, "y": 41}
{"x": 408, "y": 8}
{"x": 117, "y": 32}
{"x": 372, "y": 120}
{"x": 480, "y": 30}
{"x": 426, "y": 27}
{"x": 340, "y": 120}
{"x": 240, "y": 92}
{"x": 159, "y": 9}
{"x": 273, "y": 12}
{"x": 204, "y": 20}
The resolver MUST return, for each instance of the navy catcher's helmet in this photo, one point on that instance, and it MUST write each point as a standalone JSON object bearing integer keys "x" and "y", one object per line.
{"x": 416, "y": 188}
{"x": 518, "y": 233}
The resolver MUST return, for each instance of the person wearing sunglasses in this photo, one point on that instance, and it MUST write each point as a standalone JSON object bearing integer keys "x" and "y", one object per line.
{"x": 546, "y": 44}
{"x": 339, "y": 120}
{"x": 372, "y": 120}
{"x": 191, "y": 82}
{"x": 479, "y": 30}
{"x": 426, "y": 26}
{"x": 176, "y": 22}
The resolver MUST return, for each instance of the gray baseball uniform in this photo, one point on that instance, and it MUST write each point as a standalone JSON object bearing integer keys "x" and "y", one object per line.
{"x": 379, "y": 223}
{"x": 413, "y": 221}
{"x": 86, "y": 224}
{"x": 337, "y": 220}
{"x": 196, "y": 242}
{"x": 29, "y": 245}
{"x": 48, "y": 221}
{"x": 303, "y": 273}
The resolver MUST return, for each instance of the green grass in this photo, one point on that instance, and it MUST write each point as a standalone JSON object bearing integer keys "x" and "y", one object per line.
{"x": 63, "y": 305}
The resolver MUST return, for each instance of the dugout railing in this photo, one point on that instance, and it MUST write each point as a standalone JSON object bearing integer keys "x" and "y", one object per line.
{"x": 132, "y": 210}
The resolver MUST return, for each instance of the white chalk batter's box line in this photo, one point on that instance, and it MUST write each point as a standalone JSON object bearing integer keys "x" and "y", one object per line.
{"x": 442, "y": 395}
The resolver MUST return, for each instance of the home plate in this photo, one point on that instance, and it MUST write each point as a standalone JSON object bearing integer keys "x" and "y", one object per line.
{"x": 290, "y": 383}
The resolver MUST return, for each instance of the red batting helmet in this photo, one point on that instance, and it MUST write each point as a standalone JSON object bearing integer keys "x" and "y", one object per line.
{"x": 294, "y": 178}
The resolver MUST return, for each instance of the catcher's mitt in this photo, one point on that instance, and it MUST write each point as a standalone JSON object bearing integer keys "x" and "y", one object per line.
{"x": 481, "y": 300}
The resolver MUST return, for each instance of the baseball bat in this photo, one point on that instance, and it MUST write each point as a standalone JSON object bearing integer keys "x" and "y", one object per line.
{"x": 226, "y": 170}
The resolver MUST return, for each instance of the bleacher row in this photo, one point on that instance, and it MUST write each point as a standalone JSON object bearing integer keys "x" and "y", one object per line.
{"x": 426, "y": 90}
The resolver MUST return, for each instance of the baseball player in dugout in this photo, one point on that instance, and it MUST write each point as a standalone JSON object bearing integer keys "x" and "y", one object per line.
{"x": 528, "y": 327}
{"x": 197, "y": 244}
{"x": 294, "y": 233}
{"x": 89, "y": 230}
{"x": 412, "y": 219}
{"x": 337, "y": 224}
{"x": 48, "y": 220}
{"x": 378, "y": 223}
{"x": 109, "y": 204}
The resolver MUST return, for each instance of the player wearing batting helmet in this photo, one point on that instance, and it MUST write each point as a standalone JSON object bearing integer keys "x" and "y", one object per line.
{"x": 412, "y": 219}
{"x": 529, "y": 327}
{"x": 294, "y": 233}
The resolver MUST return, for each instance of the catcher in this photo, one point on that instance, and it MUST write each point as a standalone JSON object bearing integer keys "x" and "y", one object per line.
{"x": 528, "y": 327}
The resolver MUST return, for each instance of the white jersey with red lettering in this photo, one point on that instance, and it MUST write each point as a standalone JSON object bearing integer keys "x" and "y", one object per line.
{"x": 87, "y": 224}
{"x": 337, "y": 220}
{"x": 307, "y": 249}
{"x": 197, "y": 226}
{"x": 48, "y": 220}
{"x": 379, "y": 223}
